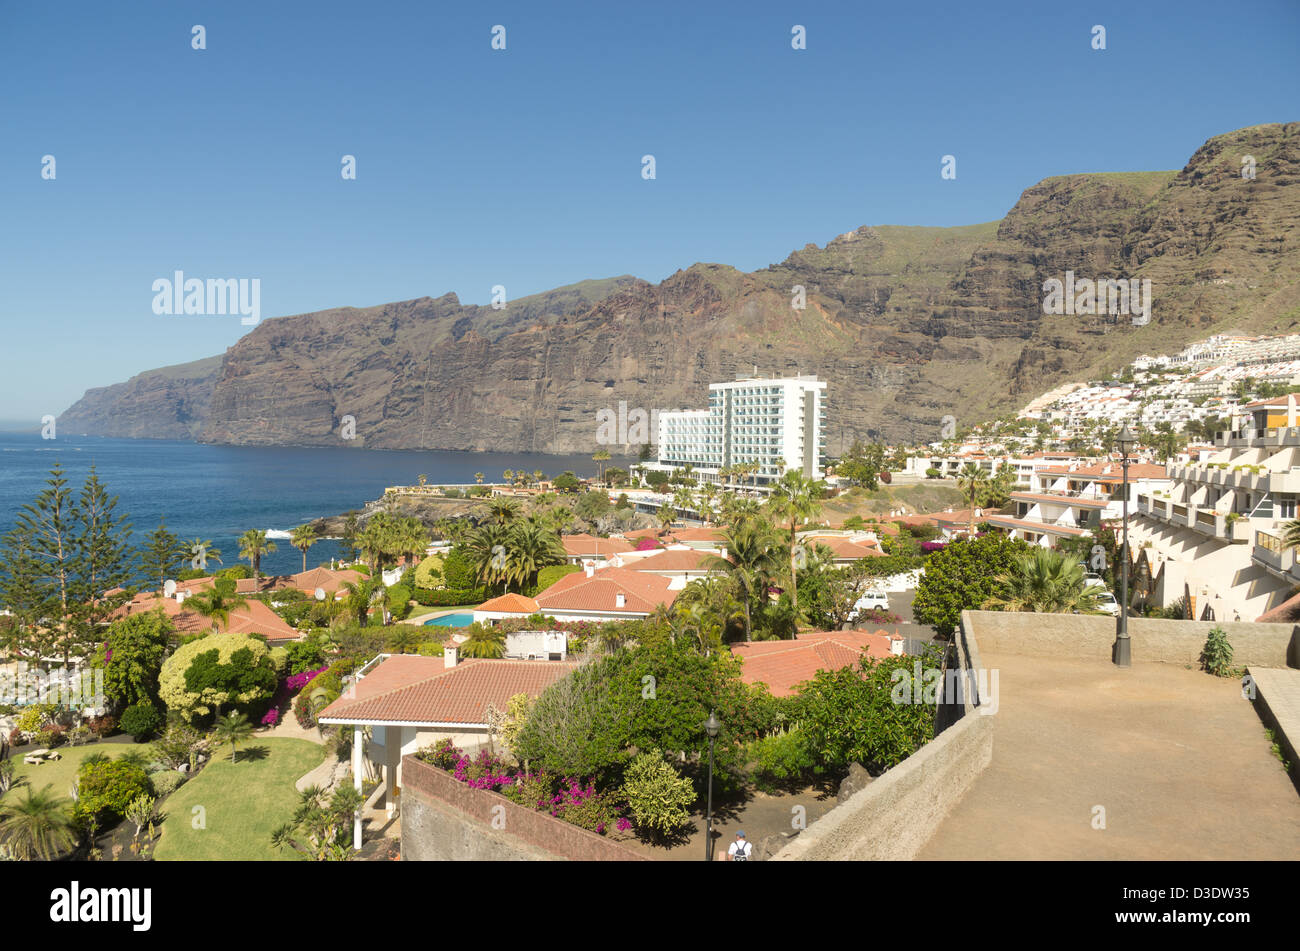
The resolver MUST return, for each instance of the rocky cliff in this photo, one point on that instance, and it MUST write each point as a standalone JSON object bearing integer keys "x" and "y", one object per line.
{"x": 908, "y": 325}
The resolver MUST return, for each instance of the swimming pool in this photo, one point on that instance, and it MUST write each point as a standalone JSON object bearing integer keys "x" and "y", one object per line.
{"x": 451, "y": 620}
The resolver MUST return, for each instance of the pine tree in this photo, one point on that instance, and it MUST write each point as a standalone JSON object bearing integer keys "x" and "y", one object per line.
{"x": 49, "y": 526}
{"x": 104, "y": 557}
{"x": 161, "y": 553}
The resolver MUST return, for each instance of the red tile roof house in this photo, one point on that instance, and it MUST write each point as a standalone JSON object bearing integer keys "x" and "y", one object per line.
{"x": 583, "y": 548}
{"x": 253, "y": 618}
{"x": 593, "y": 594}
{"x": 408, "y": 701}
{"x": 845, "y": 550}
{"x": 784, "y": 664}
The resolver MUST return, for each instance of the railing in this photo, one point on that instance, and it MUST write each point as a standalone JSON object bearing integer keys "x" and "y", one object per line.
{"x": 1269, "y": 541}
{"x": 1205, "y": 518}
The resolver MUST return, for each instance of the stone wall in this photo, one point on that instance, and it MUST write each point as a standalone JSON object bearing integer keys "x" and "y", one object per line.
{"x": 445, "y": 821}
{"x": 1084, "y": 637}
{"x": 893, "y": 817}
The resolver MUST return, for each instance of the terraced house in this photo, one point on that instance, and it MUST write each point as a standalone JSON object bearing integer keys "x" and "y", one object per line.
{"x": 1216, "y": 536}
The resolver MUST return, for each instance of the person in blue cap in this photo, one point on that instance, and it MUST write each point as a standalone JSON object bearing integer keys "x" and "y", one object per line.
{"x": 740, "y": 850}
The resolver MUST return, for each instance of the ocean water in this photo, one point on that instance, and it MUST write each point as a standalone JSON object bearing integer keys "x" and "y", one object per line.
{"x": 219, "y": 492}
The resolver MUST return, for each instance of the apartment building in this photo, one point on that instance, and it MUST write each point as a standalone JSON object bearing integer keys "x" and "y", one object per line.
{"x": 777, "y": 423}
{"x": 1215, "y": 536}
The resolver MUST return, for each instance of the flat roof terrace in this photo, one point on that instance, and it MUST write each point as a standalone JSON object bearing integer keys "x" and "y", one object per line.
{"x": 1178, "y": 759}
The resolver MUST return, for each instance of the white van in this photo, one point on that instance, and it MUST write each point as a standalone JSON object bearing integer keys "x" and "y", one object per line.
{"x": 872, "y": 600}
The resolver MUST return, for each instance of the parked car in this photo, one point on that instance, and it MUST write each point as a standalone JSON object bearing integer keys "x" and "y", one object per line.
{"x": 1106, "y": 602}
{"x": 872, "y": 600}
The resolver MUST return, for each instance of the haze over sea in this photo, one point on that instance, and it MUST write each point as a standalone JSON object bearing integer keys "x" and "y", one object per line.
{"x": 219, "y": 492}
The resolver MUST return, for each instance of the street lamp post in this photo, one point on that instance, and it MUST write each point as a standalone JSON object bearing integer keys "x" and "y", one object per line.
{"x": 1125, "y": 439}
{"x": 711, "y": 727}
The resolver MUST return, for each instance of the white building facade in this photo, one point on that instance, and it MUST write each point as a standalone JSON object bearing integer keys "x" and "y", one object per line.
{"x": 777, "y": 423}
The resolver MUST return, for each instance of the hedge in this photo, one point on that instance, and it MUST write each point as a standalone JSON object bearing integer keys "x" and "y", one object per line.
{"x": 446, "y": 597}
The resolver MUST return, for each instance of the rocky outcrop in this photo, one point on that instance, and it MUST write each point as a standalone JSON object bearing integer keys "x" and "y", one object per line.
{"x": 908, "y": 325}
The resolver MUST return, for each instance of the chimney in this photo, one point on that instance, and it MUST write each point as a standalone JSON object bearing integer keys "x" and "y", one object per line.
{"x": 449, "y": 656}
{"x": 620, "y": 600}
{"x": 590, "y": 568}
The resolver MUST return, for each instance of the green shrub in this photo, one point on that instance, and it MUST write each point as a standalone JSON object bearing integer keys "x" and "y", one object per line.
{"x": 105, "y": 789}
{"x": 50, "y": 735}
{"x": 399, "y": 601}
{"x": 35, "y": 717}
{"x": 166, "y": 782}
{"x": 447, "y": 597}
{"x": 658, "y": 796}
{"x": 237, "y": 572}
{"x": 534, "y": 791}
{"x": 428, "y": 573}
{"x": 1216, "y": 655}
{"x": 781, "y": 757}
{"x": 141, "y": 720}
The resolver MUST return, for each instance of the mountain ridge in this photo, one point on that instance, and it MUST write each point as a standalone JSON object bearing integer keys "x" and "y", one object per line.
{"x": 908, "y": 324}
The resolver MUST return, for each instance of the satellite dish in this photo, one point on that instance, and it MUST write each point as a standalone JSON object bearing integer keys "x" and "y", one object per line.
{"x": 169, "y": 588}
{"x": 320, "y": 594}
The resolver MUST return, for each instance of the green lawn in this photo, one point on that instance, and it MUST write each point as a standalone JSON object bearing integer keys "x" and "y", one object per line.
{"x": 242, "y": 803}
{"x": 62, "y": 774}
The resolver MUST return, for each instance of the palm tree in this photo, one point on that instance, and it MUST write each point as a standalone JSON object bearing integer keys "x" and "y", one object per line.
{"x": 599, "y": 456}
{"x": 37, "y": 827}
{"x": 794, "y": 500}
{"x": 502, "y": 510}
{"x": 531, "y": 548}
{"x": 752, "y": 558}
{"x": 484, "y": 641}
{"x": 1291, "y": 533}
{"x": 973, "y": 484}
{"x": 666, "y": 515}
{"x": 233, "y": 728}
{"x": 684, "y": 499}
{"x": 377, "y": 541}
{"x": 422, "y": 478}
{"x": 1044, "y": 581}
{"x": 410, "y": 538}
{"x": 478, "y": 478}
{"x": 203, "y": 547}
{"x": 217, "y": 602}
{"x": 488, "y": 548}
{"x": 360, "y": 595}
{"x": 508, "y": 476}
{"x": 302, "y": 538}
{"x": 252, "y": 546}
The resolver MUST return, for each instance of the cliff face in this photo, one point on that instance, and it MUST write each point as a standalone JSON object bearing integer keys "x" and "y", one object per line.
{"x": 907, "y": 325}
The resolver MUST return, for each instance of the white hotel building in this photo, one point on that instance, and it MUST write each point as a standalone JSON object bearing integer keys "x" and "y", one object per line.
{"x": 777, "y": 423}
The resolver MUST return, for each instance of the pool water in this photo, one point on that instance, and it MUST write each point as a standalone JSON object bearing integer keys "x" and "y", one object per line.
{"x": 451, "y": 620}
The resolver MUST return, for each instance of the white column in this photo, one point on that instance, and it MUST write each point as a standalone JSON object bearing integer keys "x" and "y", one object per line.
{"x": 358, "y": 743}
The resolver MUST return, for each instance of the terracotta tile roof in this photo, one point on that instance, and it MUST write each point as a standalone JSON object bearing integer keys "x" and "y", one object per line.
{"x": 509, "y": 602}
{"x": 1060, "y": 499}
{"x": 1005, "y": 521}
{"x": 332, "y": 581}
{"x": 584, "y": 544}
{"x": 576, "y": 592}
{"x": 408, "y": 688}
{"x": 1115, "y": 473}
{"x": 253, "y": 618}
{"x": 1284, "y": 613}
{"x": 698, "y": 534}
{"x": 782, "y": 665}
{"x": 843, "y": 547}
{"x": 672, "y": 559}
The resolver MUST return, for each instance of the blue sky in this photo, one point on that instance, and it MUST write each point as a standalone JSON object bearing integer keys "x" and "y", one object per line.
{"x": 522, "y": 167}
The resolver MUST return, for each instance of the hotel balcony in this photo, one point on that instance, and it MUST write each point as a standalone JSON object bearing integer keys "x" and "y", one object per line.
{"x": 1273, "y": 554}
{"x": 1204, "y": 520}
{"x": 1287, "y": 480}
{"x": 1278, "y": 436}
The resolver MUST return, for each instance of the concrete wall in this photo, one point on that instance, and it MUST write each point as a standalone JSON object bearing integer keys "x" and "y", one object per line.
{"x": 444, "y": 821}
{"x": 1082, "y": 636}
{"x": 894, "y": 816}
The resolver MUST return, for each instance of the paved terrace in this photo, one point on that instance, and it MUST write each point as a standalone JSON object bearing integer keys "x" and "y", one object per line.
{"x": 1178, "y": 759}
